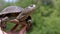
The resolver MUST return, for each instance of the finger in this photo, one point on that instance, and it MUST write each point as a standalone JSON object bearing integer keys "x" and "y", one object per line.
{"x": 1, "y": 32}
{"x": 14, "y": 27}
{"x": 23, "y": 30}
{"x": 14, "y": 20}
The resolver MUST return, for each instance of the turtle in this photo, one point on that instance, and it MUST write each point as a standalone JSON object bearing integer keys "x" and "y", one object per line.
{"x": 10, "y": 12}
{"x": 14, "y": 11}
{"x": 19, "y": 13}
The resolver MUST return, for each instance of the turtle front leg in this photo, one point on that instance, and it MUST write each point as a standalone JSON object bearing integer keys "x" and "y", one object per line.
{"x": 29, "y": 23}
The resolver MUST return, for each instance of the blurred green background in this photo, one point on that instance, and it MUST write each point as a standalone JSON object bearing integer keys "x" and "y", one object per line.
{"x": 46, "y": 18}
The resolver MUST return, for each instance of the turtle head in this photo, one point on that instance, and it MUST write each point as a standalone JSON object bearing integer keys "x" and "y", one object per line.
{"x": 27, "y": 12}
{"x": 29, "y": 9}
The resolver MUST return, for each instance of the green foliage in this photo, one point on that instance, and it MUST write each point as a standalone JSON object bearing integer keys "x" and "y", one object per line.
{"x": 46, "y": 18}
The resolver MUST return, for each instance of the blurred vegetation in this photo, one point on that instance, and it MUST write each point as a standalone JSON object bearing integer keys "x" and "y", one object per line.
{"x": 46, "y": 18}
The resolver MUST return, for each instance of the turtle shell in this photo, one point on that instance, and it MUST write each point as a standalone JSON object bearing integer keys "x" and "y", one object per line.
{"x": 11, "y": 9}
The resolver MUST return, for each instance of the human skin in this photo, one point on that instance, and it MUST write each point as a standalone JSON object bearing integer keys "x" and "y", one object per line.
{"x": 21, "y": 31}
